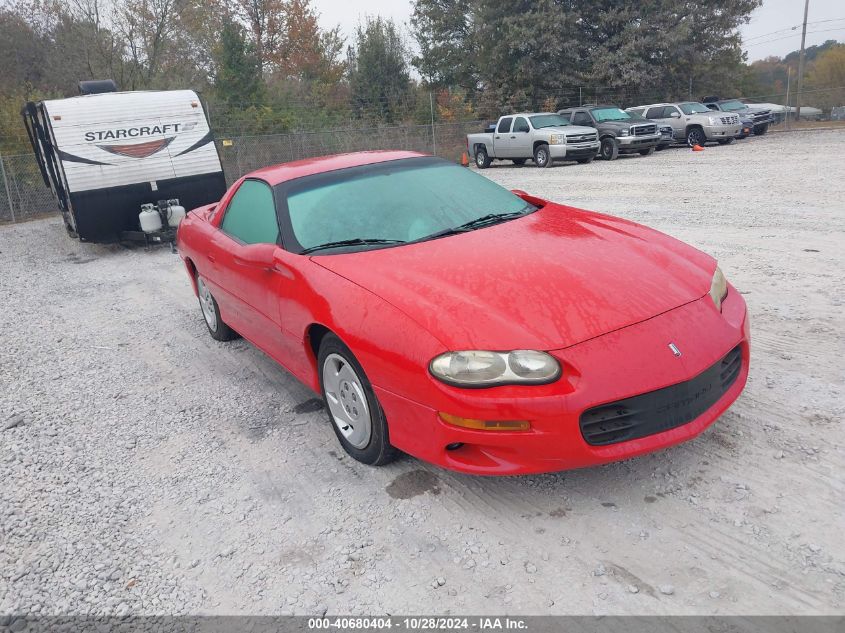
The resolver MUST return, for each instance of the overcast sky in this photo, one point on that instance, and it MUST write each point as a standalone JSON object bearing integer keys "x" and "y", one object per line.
{"x": 769, "y": 32}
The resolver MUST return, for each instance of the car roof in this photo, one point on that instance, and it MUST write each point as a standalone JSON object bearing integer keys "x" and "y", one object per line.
{"x": 277, "y": 174}
{"x": 525, "y": 114}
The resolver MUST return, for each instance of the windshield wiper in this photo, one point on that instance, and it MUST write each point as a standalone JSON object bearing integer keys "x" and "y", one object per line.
{"x": 486, "y": 220}
{"x": 355, "y": 241}
{"x": 491, "y": 218}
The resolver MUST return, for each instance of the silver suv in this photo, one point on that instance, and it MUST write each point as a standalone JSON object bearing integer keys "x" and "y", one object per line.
{"x": 693, "y": 122}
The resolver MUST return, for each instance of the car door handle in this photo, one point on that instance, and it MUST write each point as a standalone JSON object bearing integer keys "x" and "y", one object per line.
{"x": 498, "y": 137}
{"x": 210, "y": 257}
{"x": 513, "y": 137}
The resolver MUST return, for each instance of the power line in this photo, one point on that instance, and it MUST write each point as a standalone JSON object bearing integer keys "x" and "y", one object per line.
{"x": 786, "y": 37}
{"x": 791, "y": 28}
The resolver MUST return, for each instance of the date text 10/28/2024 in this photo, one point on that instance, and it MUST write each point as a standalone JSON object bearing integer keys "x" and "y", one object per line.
{"x": 421, "y": 623}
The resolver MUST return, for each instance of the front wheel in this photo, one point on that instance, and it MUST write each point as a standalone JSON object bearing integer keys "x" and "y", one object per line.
{"x": 542, "y": 156}
{"x": 482, "y": 159}
{"x": 609, "y": 149}
{"x": 355, "y": 414}
{"x": 211, "y": 313}
{"x": 695, "y": 136}
{"x": 647, "y": 152}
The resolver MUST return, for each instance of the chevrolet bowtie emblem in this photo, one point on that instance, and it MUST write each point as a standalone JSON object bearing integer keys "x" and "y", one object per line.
{"x": 675, "y": 350}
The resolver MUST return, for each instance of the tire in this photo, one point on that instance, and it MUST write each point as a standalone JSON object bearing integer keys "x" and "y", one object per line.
{"x": 542, "y": 156}
{"x": 211, "y": 314}
{"x": 482, "y": 159}
{"x": 519, "y": 162}
{"x": 609, "y": 149}
{"x": 760, "y": 130}
{"x": 727, "y": 141}
{"x": 648, "y": 152}
{"x": 586, "y": 161}
{"x": 352, "y": 407}
{"x": 695, "y": 136}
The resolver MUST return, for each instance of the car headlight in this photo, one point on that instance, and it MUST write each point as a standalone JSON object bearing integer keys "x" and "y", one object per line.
{"x": 479, "y": 368}
{"x": 557, "y": 139}
{"x": 625, "y": 131}
{"x": 715, "y": 120}
{"x": 718, "y": 288}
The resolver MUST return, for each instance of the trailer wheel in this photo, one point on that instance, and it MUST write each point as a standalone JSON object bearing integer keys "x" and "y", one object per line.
{"x": 211, "y": 313}
{"x": 482, "y": 159}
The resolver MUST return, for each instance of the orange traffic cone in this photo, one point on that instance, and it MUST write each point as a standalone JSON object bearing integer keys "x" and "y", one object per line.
{"x": 464, "y": 160}
{"x": 697, "y": 148}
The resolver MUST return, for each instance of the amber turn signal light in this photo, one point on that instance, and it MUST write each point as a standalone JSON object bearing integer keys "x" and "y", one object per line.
{"x": 485, "y": 425}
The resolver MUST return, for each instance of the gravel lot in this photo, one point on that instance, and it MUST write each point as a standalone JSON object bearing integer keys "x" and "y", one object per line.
{"x": 145, "y": 468}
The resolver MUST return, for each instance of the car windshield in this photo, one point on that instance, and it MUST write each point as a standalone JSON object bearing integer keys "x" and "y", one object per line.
{"x": 540, "y": 121}
{"x": 733, "y": 105}
{"x": 694, "y": 108}
{"x": 389, "y": 204}
{"x": 610, "y": 114}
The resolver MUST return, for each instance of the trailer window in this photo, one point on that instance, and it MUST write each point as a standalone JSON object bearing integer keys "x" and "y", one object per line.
{"x": 251, "y": 214}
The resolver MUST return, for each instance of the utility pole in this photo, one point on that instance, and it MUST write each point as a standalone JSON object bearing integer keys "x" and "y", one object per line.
{"x": 801, "y": 63}
{"x": 433, "y": 129}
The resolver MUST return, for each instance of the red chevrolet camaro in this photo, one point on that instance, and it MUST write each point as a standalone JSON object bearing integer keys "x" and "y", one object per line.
{"x": 484, "y": 330}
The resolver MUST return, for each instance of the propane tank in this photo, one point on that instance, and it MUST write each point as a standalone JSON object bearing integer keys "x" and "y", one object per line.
{"x": 149, "y": 218}
{"x": 175, "y": 212}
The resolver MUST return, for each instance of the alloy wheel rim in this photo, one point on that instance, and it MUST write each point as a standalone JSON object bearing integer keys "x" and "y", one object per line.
{"x": 541, "y": 157}
{"x": 347, "y": 401}
{"x": 207, "y": 305}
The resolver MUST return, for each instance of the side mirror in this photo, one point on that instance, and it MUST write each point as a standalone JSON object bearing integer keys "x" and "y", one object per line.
{"x": 675, "y": 114}
{"x": 261, "y": 256}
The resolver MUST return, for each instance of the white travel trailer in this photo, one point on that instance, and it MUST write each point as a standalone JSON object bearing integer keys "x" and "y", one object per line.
{"x": 104, "y": 155}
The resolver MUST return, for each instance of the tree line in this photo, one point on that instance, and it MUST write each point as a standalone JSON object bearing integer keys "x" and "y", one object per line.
{"x": 266, "y": 66}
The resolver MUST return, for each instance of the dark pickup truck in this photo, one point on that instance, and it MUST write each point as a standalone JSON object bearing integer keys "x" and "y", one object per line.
{"x": 619, "y": 131}
{"x": 760, "y": 118}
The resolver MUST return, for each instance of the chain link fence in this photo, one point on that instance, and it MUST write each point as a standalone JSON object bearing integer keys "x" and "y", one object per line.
{"x": 24, "y": 195}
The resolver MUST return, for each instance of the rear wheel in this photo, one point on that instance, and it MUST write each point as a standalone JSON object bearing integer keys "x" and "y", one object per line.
{"x": 609, "y": 149}
{"x": 482, "y": 159}
{"x": 695, "y": 136}
{"x": 542, "y": 156}
{"x": 647, "y": 152}
{"x": 211, "y": 313}
{"x": 354, "y": 411}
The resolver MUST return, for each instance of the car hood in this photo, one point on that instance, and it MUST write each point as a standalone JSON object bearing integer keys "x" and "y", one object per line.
{"x": 547, "y": 281}
{"x": 577, "y": 130}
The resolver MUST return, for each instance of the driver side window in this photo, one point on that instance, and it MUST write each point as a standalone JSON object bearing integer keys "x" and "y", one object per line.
{"x": 582, "y": 118}
{"x": 251, "y": 215}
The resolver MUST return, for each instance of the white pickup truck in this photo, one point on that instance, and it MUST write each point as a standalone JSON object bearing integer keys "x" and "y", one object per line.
{"x": 545, "y": 137}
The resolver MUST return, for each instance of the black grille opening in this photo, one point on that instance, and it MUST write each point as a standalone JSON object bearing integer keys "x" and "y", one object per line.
{"x": 663, "y": 409}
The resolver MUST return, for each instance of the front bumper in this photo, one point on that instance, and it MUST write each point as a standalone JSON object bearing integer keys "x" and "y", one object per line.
{"x": 574, "y": 151}
{"x": 626, "y": 363}
{"x": 636, "y": 143}
{"x": 716, "y": 132}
